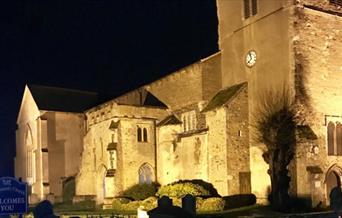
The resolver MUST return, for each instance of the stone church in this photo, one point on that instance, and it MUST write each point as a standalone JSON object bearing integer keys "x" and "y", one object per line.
{"x": 197, "y": 123}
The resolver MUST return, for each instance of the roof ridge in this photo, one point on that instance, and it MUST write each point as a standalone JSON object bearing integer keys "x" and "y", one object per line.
{"x": 62, "y": 89}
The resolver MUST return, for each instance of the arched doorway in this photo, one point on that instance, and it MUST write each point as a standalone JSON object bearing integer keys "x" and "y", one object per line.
{"x": 332, "y": 179}
{"x": 146, "y": 174}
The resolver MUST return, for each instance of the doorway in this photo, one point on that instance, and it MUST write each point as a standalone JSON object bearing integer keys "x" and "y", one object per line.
{"x": 332, "y": 180}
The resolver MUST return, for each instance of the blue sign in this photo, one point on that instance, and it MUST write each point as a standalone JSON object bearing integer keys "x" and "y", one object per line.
{"x": 13, "y": 196}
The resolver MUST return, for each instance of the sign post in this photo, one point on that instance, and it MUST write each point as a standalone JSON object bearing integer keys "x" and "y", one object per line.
{"x": 13, "y": 196}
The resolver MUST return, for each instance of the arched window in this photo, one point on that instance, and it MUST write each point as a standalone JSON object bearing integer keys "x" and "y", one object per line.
{"x": 145, "y": 134}
{"x": 145, "y": 174}
{"x": 139, "y": 134}
{"x": 331, "y": 131}
{"x": 184, "y": 123}
{"x": 30, "y": 157}
{"x": 188, "y": 117}
{"x": 339, "y": 138}
{"x": 193, "y": 120}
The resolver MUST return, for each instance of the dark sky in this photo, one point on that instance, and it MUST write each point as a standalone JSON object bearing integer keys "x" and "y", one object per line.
{"x": 106, "y": 46}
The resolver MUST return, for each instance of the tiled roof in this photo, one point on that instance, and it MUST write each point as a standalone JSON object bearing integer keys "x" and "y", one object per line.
{"x": 152, "y": 100}
{"x": 170, "y": 120}
{"x": 224, "y": 96}
{"x": 62, "y": 99}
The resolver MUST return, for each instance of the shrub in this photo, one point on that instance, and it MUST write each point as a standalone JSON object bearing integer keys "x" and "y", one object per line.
{"x": 121, "y": 204}
{"x": 132, "y": 206}
{"x": 199, "y": 202}
{"x": 123, "y": 200}
{"x": 86, "y": 205}
{"x": 235, "y": 201}
{"x": 179, "y": 190}
{"x": 206, "y": 185}
{"x": 212, "y": 204}
{"x": 116, "y": 204}
{"x": 140, "y": 191}
{"x": 176, "y": 201}
{"x": 149, "y": 203}
{"x": 69, "y": 189}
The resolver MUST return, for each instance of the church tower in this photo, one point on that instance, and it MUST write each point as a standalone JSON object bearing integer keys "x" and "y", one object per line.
{"x": 255, "y": 48}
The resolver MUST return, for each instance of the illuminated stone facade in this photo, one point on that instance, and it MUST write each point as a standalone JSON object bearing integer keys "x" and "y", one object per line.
{"x": 48, "y": 144}
{"x": 197, "y": 123}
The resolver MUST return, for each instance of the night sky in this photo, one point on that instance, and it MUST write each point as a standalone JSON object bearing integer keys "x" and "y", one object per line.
{"x": 106, "y": 46}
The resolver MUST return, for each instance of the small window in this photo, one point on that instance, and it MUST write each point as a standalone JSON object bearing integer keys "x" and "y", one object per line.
{"x": 250, "y": 8}
{"x": 339, "y": 139}
{"x": 145, "y": 135}
{"x": 142, "y": 135}
{"x": 247, "y": 8}
{"x": 330, "y": 134}
{"x": 139, "y": 134}
{"x": 254, "y": 7}
{"x": 184, "y": 123}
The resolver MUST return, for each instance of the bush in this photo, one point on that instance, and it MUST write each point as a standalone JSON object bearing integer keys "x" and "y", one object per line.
{"x": 206, "y": 185}
{"x": 132, "y": 206}
{"x": 86, "y": 205}
{"x": 140, "y": 191}
{"x": 235, "y": 201}
{"x": 69, "y": 188}
{"x": 149, "y": 203}
{"x": 212, "y": 204}
{"x": 176, "y": 201}
{"x": 116, "y": 204}
{"x": 123, "y": 200}
{"x": 199, "y": 202}
{"x": 119, "y": 204}
{"x": 179, "y": 190}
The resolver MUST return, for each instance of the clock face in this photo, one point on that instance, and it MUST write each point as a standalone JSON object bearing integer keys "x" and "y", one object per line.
{"x": 251, "y": 58}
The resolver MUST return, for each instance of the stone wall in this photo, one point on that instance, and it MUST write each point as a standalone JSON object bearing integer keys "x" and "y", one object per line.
{"x": 49, "y": 145}
{"x": 135, "y": 154}
{"x": 181, "y": 155}
{"x": 238, "y": 164}
{"x": 267, "y": 33}
{"x": 202, "y": 79}
{"x": 167, "y": 159}
{"x": 217, "y": 149}
{"x": 192, "y": 152}
{"x": 64, "y": 147}
{"x": 318, "y": 46}
{"x": 131, "y": 154}
{"x": 111, "y": 110}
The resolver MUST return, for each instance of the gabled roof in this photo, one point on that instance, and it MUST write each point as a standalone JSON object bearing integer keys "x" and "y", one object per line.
{"x": 224, "y": 96}
{"x": 305, "y": 132}
{"x": 62, "y": 99}
{"x": 170, "y": 120}
{"x": 153, "y": 101}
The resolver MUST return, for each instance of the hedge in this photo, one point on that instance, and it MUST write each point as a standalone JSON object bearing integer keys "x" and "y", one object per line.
{"x": 179, "y": 190}
{"x": 235, "y": 201}
{"x": 212, "y": 204}
{"x": 140, "y": 191}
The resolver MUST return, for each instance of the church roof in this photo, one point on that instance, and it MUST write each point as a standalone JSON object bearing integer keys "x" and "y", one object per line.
{"x": 62, "y": 99}
{"x": 305, "y": 131}
{"x": 170, "y": 120}
{"x": 153, "y": 101}
{"x": 223, "y": 96}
